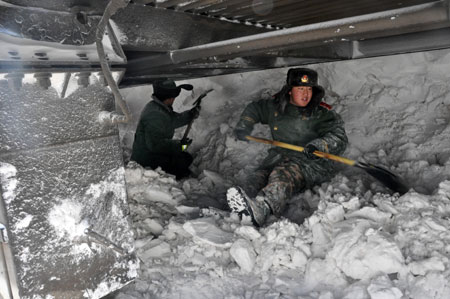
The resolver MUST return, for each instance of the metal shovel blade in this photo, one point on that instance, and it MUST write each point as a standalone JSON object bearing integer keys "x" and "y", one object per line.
{"x": 386, "y": 177}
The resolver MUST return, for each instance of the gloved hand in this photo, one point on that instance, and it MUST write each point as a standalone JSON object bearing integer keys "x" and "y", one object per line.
{"x": 240, "y": 134}
{"x": 309, "y": 150}
{"x": 185, "y": 143}
{"x": 195, "y": 112}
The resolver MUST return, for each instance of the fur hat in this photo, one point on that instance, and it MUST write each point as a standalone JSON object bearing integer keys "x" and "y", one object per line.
{"x": 301, "y": 77}
{"x": 166, "y": 89}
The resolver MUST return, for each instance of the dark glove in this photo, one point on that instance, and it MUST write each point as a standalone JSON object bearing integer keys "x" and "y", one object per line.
{"x": 240, "y": 134}
{"x": 195, "y": 112}
{"x": 185, "y": 143}
{"x": 309, "y": 150}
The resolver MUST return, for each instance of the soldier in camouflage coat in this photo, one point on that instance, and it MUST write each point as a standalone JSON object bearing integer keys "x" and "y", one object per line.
{"x": 297, "y": 116}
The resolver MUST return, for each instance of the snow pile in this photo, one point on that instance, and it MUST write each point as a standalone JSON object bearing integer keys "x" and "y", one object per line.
{"x": 352, "y": 246}
{"x": 348, "y": 238}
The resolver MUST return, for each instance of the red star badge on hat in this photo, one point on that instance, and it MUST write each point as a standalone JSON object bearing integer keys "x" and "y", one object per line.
{"x": 305, "y": 79}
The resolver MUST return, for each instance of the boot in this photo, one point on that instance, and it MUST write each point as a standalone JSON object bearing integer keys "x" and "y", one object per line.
{"x": 240, "y": 203}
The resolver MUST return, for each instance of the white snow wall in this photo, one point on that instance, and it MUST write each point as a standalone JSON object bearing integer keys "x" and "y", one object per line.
{"x": 397, "y": 92}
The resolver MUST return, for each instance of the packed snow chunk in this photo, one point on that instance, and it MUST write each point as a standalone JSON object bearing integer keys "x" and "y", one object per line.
{"x": 357, "y": 290}
{"x": 154, "y": 249}
{"x": 298, "y": 259}
{"x": 414, "y": 201}
{"x": 371, "y": 214}
{"x": 243, "y": 253}
{"x": 321, "y": 240}
{"x": 324, "y": 273}
{"x": 205, "y": 230}
{"x": 352, "y": 204}
{"x": 154, "y": 226}
{"x": 434, "y": 224}
{"x": 432, "y": 264}
{"x": 335, "y": 212}
{"x": 431, "y": 286}
{"x": 444, "y": 189}
{"x": 186, "y": 210}
{"x": 382, "y": 288}
{"x": 363, "y": 255}
{"x": 155, "y": 195}
{"x": 133, "y": 174}
{"x": 248, "y": 232}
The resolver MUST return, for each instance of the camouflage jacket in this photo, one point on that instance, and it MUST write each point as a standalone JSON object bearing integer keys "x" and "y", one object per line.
{"x": 315, "y": 124}
{"x": 155, "y": 131}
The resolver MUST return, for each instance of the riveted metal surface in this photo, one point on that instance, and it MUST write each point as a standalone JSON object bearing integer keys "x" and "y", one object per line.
{"x": 47, "y": 26}
{"x": 91, "y": 7}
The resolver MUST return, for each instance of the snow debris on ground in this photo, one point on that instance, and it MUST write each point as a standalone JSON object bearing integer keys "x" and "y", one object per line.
{"x": 349, "y": 238}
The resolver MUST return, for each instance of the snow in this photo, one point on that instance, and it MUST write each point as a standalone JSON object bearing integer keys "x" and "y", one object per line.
{"x": 8, "y": 181}
{"x": 348, "y": 238}
{"x": 66, "y": 219}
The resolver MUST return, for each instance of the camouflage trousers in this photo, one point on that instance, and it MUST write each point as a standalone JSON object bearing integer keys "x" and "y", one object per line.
{"x": 276, "y": 185}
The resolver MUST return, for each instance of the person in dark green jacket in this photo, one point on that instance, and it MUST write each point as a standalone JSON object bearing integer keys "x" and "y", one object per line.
{"x": 153, "y": 144}
{"x": 295, "y": 115}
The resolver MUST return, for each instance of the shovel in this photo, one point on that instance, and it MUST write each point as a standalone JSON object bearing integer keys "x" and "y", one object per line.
{"x": 197, "y": 102}
{"x": 387, "y": 178}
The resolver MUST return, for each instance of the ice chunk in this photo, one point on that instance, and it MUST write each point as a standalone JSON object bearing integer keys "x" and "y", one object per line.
{"x": 205, "y": 230}
{"x": 382, "y": 288}
{"x": 243, "y": 253}
{"x": 248, "y": 232}
{"x": 422, "y": 267}
{"x": 364, "y": 255}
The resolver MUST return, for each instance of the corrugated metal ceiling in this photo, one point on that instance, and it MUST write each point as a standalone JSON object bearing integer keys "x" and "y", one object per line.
{"x": 281, "y": 13}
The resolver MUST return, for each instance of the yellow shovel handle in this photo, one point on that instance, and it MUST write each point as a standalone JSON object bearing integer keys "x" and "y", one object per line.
{"x": 301, "y": 149}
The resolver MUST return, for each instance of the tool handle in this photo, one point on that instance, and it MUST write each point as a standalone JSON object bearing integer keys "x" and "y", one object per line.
{"x": 299, "y": 148}
{"x": 197, "y": 102}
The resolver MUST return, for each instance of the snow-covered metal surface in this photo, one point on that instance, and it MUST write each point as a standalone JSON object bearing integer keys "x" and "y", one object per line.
{"x": 35, "y": 40}
{"x": 45, "y": 25}
{"x": 63, "y": 186}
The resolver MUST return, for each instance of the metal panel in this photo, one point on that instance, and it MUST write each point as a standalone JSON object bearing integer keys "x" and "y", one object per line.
{"x": 291, "y": 12}
{"x": 47, "y": 26}
{"x": 220, "y": 6}
{"x": 69, "y": 176}
{"x": 39, "y": 40}
{"x": 8, "y": 280}
{"x": 160, "y": 30}
{"x": 392, "y": 22}
{"x": 195, "y": 5}
{"x": 412, "y": 42}
{"x": 90, "y": 7}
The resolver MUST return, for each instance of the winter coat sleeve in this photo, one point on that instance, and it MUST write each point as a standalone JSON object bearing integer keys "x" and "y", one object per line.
{"x": 255, "y": 112}
{"x": 182, "y": 119}
{"x": 157, "y": 137}
{"x": 332, "y": 138}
